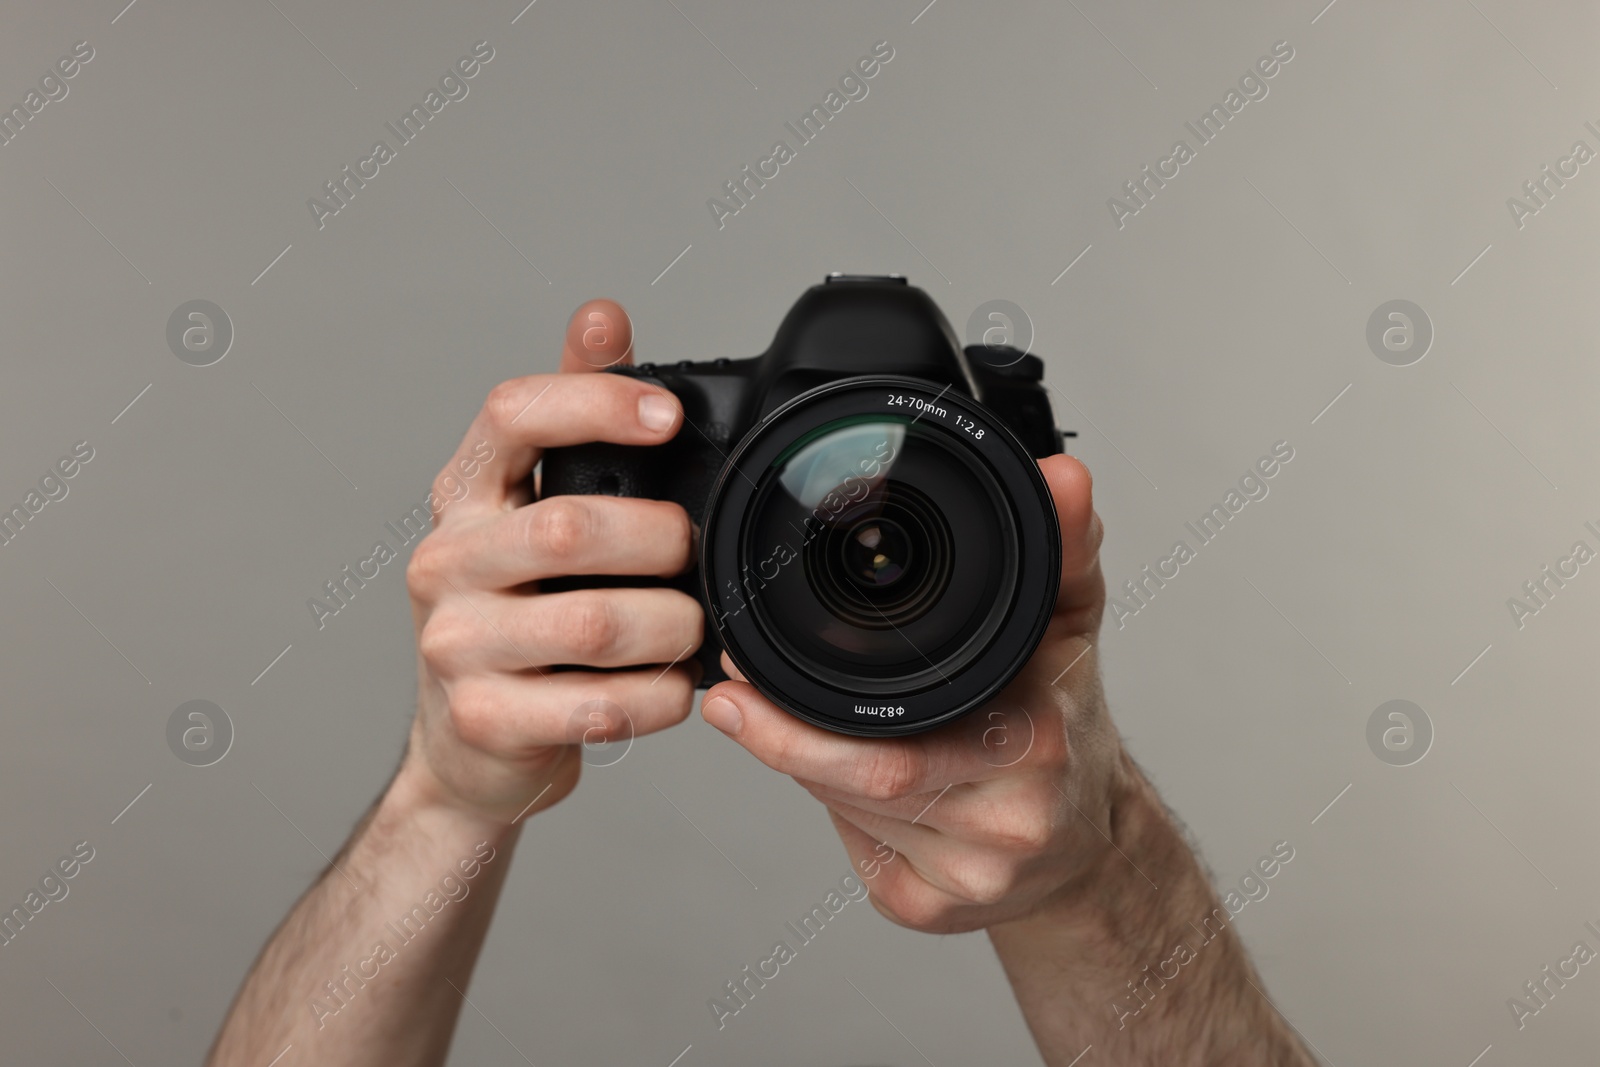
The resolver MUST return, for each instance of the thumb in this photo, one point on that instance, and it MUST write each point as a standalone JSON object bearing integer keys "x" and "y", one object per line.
{"x": 1072, "y": 488}
{"x": 599, "y": 335}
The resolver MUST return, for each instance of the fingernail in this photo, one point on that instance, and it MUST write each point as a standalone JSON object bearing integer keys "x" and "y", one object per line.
{"x": 656, "y": 412}
{"x": 721, "y": 713}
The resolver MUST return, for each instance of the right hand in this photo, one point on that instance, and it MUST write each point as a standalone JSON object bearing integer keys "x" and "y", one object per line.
{"x": 496, "y": 728}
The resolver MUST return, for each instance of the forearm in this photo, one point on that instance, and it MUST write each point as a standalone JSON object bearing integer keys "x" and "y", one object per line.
{"x": 372, "y": 964}
{"x": 1146, "y": 975}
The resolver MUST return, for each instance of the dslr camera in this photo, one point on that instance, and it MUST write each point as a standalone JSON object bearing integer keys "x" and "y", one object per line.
{"x": 878, "y": 551}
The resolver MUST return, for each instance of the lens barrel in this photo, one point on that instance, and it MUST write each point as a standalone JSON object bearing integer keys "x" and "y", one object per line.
{"x": 880, "y": 555}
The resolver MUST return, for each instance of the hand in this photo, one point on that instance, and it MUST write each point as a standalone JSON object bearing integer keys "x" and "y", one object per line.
{"x": 496, "y": 728}
{"x": 993, "y": 815}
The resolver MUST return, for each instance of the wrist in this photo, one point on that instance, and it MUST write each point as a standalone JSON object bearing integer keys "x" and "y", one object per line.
{"x": 1135, "y": 954}
{"x": 418, "y": 803}
{"x": 1146, "y": 858}
{"x": 1141, "y": 886}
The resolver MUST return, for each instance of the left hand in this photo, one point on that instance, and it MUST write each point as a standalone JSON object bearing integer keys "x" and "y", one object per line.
{"x": 992, "y": 815}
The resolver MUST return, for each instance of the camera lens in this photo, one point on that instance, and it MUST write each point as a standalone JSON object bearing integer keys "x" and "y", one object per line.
{"x": 904, "y": 554}
{"x": 880, "y": 560}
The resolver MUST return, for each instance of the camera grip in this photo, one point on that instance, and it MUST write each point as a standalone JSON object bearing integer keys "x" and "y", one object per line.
{"x": 603, "y": 469}
{"x": 596, "y": 469}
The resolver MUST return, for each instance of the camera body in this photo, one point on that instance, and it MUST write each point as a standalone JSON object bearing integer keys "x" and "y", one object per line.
{"x": 848, "y": 339}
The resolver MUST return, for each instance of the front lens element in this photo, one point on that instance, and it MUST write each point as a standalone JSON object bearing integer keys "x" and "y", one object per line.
{"x": 885, "y": 561}
{"x": 876, "y": 553}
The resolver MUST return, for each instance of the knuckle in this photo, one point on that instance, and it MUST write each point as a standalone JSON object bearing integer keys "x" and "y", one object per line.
{"x": 1025, "y": 832}
{"x": 504, "y": 403}
{"x": 474, "y": 716}
{"x": 785, "y": 751}
{"x": 599, "y": 722}
{"x": 982, "y": 882}
{"x": 894, "y": 773}
{"x": 559, "y": 528}
{"x": 426, "y": 568}
{"x": 442, "y": 642}
{"x": 589, "y": 626}
{"x": 1051, "y": 748}
{"x": 914, "y": 909}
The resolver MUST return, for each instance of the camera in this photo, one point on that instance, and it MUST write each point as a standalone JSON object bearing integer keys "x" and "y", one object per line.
{"x": 878, "y": 552}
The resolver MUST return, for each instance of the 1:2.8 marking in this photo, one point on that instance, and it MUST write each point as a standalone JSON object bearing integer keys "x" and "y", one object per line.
{"x": 971, "y": 427}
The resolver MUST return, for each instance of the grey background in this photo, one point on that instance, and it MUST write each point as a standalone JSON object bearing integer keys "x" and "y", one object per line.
{"x": 1221, "y": 319}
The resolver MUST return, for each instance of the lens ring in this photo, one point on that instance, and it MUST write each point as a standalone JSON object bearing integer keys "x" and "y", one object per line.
{"x": 738, "y": 583}
{"x": 846, "y": 640}
{"x": 897, "y": 605}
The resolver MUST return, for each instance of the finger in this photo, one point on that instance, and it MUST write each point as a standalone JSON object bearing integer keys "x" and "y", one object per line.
{"x": 898, "y": 891}
{"x": 879, "y": 768}
{"x": 559, "y": 536}
{"x": 599, "y": 335}
{"x": 1018, "y": 814}
{"x": 511, "y": 714}
{"x": 868, "y": 856}
{"x": 524, "y": 416}
{"x": 941, "y": 810}
{"x": 620, "y": 627}
{"x": 1072, "y": 489}
{"x": 969, "y": 873}
{"x": 911, "y": 843}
